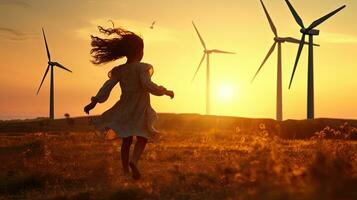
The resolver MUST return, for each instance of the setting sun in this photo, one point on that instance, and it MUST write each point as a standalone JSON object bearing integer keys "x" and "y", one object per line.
{"x": 225, "y": 92}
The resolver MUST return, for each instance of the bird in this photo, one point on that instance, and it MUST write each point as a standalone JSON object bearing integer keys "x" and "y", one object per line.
{"x": 152, "y": 24}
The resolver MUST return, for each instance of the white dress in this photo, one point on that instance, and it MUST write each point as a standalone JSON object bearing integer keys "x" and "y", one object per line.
{"x": 132, "y": 115}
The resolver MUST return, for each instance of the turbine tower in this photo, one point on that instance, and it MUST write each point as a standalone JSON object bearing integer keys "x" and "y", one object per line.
{"x": 51, "y": 65}
{"x": 206, "y": 54}
{"x": 311, "y": 32}
{"x": 277, "y": 40}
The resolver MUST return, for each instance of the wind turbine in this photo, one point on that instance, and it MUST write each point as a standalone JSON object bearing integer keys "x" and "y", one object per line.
{"x": 51, "y": 65}
{"x": 206, "y": 54}
{"x": 277, "y": 40}
{"x": 311, "y": 32}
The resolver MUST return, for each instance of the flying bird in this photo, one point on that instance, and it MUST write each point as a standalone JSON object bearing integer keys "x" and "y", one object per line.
{"x": 152, "y": 24}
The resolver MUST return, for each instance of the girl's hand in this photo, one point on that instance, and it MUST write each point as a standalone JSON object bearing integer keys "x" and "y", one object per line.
{"x": 89, "y": 107}
{"x": 170, "y": 94}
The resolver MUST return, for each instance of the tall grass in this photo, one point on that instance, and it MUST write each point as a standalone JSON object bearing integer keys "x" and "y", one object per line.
{"x": 212, "y": 164}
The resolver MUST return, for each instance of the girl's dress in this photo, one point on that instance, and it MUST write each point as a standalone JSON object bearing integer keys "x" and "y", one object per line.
{"x": 132, "y": 115}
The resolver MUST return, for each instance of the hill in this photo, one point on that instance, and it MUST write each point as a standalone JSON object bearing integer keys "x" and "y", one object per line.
{"x": 187, "y": 123}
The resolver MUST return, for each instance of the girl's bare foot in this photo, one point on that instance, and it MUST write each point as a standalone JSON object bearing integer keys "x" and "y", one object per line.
{"x": 126, "y": 173}
{"x": 136, "y": 173}
{"x": 127, "y": 177}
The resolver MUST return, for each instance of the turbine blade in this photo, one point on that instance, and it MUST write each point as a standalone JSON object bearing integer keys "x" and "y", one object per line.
{"x": 295, "y": 14}
{"x": 220, "y": 51}
{"x": 265, "y": 59}
{"x": 272, "y": 26}
{"x": 301, "y": 46}
{"x": 47, "y": 50}
{"x": 292, "y": 40}
{"x": 324, "y": 18}
{"x": 199, "y": 66}
{"x": 44, "y": 76}
{"x": 61, "y": 66}
{"x": 296, "y": 41}
{"x": 199, "y": 35}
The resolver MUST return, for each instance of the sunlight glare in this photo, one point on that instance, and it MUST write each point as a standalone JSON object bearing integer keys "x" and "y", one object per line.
{"x": 226, "y": 92}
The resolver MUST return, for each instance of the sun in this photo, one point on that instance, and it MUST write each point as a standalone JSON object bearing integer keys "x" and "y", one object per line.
{"x": 225, "y": 92}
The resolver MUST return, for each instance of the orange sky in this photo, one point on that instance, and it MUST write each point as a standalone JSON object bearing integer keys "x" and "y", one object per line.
{"x": 173, "y": 48}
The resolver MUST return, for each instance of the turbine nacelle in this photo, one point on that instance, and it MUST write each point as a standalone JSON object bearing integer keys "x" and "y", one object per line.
{"x": 279, "y": 40}
{"x": 310, "y": 31}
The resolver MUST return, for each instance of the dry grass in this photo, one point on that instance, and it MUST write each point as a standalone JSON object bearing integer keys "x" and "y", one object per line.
{"x": 178, "y": 165}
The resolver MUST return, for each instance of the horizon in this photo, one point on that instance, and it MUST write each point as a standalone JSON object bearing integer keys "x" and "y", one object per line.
{"x": 166, "y": 48}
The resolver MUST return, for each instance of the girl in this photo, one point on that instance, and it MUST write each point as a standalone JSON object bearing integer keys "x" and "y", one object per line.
{"x": 132, "y": 115}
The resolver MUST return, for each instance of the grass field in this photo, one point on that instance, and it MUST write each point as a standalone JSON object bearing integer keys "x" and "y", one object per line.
{"x": 228, "y": 159}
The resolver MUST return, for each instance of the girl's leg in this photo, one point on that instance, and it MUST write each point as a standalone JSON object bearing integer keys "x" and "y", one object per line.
{"x": 125, "y": 149}
{"x": 138, "y": 150}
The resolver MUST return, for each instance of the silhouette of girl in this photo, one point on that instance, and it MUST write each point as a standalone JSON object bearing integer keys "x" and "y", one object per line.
{"x": 132, "y": 115}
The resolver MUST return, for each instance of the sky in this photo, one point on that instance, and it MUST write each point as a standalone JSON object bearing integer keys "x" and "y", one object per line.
{"x": 174, "y": 50}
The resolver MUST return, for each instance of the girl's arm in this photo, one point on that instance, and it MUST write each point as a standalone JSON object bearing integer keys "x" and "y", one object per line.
{"x": 104, "y": 92}
{"x": 153, "y": 88}
{"x": 102, "y": 95}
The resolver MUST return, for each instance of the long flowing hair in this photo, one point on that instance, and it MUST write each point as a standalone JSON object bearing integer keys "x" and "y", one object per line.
{"x": 124, "y": 44}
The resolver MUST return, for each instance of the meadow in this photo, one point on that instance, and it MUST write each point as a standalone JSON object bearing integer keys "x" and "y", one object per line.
{"x": 194, "y": 157}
